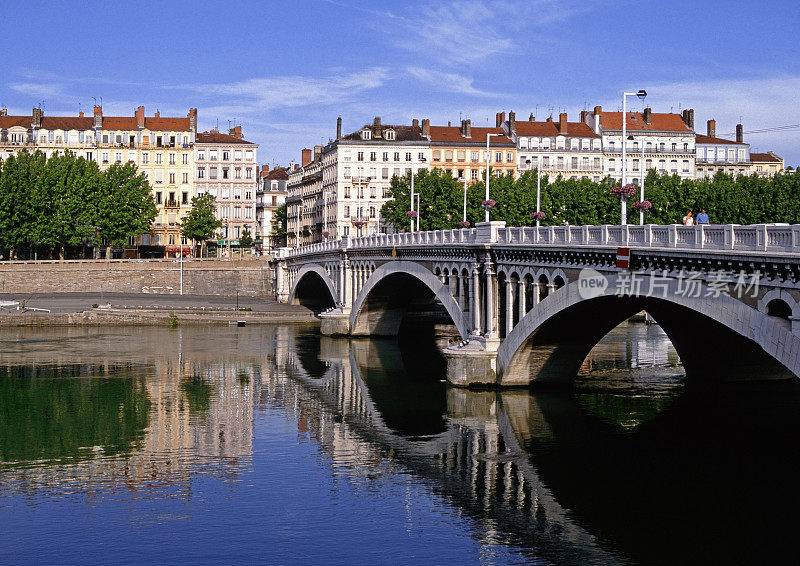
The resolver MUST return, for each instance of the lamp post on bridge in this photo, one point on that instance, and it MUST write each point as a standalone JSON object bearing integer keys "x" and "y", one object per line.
{"x": 488, "y": 161}
{"x": 623, "y": 201}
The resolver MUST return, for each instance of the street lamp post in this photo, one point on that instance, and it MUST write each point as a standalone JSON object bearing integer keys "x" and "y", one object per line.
{"x": 464, "y": 217}
{"x": 538, "y": 188}
{"x": 488, "y": 160}
{"x": 623, "y": 201}
{"x": 641, "y": 188}
{"x": 422, "y": 160}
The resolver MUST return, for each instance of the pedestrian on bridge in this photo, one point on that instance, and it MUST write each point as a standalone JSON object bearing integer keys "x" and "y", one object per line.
{"x": 688, "y": 220}
{"x": 702, "y": 218}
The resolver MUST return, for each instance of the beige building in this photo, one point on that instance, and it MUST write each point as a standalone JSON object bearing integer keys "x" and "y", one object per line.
{"x": 226, "y": 167}
{"x": 462, "y": 150}
{"x": 161, "y": 147}
{"x": 271, "y": 194}
{"x": 766, "y": 164}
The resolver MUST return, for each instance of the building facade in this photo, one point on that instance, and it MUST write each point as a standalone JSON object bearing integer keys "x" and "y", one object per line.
{"x": 716, "y": 155}
{"x": 226, "y": 167}
{"x": 571, "y": 150}
{"x": 161, "y": 147}
{"x": 461, "y": 150}
{"x": 304, "y": 208}
{"x": 660, "y": 141}
{"x": 766, "y": 164}
{"x": 270, "y": 195}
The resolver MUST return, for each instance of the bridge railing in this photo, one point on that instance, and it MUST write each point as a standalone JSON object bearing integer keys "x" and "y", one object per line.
{"x": 781, "y": 238}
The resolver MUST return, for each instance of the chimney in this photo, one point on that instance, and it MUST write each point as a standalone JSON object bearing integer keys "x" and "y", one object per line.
{"x": 37, "y": 118}
{"x": 647, "y": 115}
{"x": 376, "y": 121}
{"x": 691, "y": 118}
{"x": 584, "y": 113}
{"x": 98, "y": 116}
{"x": 415, "y": 123}
{"x": 739, "y": 133}
{"x": 296, "y": 166}
{"x": 265, "y": 169}
{"x": 236, "y": 132}
{"x": 688, "y": 118}
{"x": 531, "y": 118}
{"x": 80, "y": 114}
{"x": 426, "y": 127}
{"x": 549, "y": 119}
{"x": 339, "y": 128}
{"x": 305, "y": 158}
{"x": 512, "y": 122}
{"x": 318, "y": 152}
{"x": 466, "y": 128}
{"x": 192, "y": 119}
{"x": 598, "y": 111}
{"x": 3, "y": 111}
{"x": 140, "y": 117}
{"x": 712, "y": 128}
{"x": 562, "y": 122}
{"x": 497, "y": 120}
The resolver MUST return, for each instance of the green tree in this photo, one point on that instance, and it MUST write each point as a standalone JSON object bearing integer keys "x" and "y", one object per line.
{"x": 200, "y": 224}
{"x": 246, "y": 239}
{"x": 279, "y": 226}
{"x": 124, "y": 205}
{"x": 20, "y": 175}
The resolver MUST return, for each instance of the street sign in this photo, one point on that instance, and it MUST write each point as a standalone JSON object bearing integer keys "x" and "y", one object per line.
{"x": 623, "y": 257}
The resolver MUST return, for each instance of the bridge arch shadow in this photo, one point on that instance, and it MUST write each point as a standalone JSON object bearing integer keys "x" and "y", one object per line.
{"x": 313, "y": 289}
{"x": 716, "y": 339}
{"x": 391, "y": 291}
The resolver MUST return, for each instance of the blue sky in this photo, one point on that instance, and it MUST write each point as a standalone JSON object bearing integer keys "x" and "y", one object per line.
{"x": 286, "y": 70}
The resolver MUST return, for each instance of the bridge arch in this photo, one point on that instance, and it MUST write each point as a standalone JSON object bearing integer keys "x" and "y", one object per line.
{"x": 716, "y": 338}
{"x": 313, "y": 288}
{"x": 379, "y": 307}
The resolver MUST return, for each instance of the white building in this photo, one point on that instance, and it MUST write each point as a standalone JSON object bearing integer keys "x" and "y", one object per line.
{"x": 664, "y": 142}
{"x": 304, "y": 200}
{"x": 717, "y": 154}
{"x": 225, "y": 167}
{"x": 270, "y": 195}
{"x": 569, "y": 149}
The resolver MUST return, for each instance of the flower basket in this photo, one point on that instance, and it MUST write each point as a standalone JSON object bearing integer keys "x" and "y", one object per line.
{"x": 465, "y": 223}
{"x": 538, "y": 215}
{"x": 488, "y": 204}
{"x": 623, "y": 191}
{"x": 644, "y": 205}
{"x": 325, "y": 234}
{"x": 411, "y": 214}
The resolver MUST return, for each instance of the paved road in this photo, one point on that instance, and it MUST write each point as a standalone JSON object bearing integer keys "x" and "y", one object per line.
{"x": 79, "y": 302}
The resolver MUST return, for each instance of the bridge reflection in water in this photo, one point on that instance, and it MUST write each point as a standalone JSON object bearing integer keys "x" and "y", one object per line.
{"x": 630, "y": 467}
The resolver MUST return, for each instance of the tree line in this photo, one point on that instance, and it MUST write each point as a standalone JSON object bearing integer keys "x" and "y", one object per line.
{"x": 48, "y": 205}
{"x": 728, "y": 200}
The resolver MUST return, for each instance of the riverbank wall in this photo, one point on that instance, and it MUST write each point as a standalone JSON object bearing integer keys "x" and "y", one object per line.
{"x": 200, "y": 277}
{"x": 165, "y": 317}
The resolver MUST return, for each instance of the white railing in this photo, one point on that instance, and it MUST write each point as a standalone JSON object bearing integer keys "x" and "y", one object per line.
{"x": 780, "y": 238}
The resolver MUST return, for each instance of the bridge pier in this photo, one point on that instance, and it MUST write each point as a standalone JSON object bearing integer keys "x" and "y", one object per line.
{"x": 335, "y": 323}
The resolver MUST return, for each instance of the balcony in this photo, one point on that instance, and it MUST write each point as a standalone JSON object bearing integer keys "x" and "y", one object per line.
{"x": 171, "y": 204}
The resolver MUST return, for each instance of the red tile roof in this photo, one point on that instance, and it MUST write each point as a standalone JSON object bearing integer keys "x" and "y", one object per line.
{"x": 401, "y": 133}
{"x": 765, "y": 158}
{"x": 548, "y": 129}
{"x": 218, "y": 137}
{"x": 277, "y": 174}
{"x": 659, "y": 122}
{"x": 452, "y": 134}
{"x": 11, "y": 121}
{"x": 87, "y": 123}
{"x": 699, "y": 138}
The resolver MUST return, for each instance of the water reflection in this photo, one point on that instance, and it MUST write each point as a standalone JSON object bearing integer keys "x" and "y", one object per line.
{"x": 631, "y": 467}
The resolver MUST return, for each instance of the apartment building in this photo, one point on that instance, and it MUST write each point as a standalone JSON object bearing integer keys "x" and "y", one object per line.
{"x": 461, "y": 150}
{"x": 304, "y": 198}
{"x": 660, "y": 141}
{"x": 766, "y": 164}
{"x": 226, "y": 167}
{"x": 720, "y": 155}
{"x": 270, "y": 195}
{"x": 571, "y": 150}
{"x": 161, "y": 147}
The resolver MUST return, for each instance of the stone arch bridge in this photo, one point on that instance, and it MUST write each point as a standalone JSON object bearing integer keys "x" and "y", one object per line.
{"x": 529, "y": 303}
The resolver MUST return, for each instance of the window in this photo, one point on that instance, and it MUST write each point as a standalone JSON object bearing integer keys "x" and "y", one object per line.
{"x": 158, "y": 197}
{"x": 372, "y": 212}
{"x": 408, "y": 156}
{"x": 509, "y": 157}
{"x": 226, "y": 193}
{"x": 366, "y": 135}
{"x": 213, "y": 155}
{"x": 159, "y": 158}
{"x": 118, "y": 157}
{"x": 201, "y": 172}
{"x": 249, "y": 173}
{"x": 396, "y": 172}
{"x": 237, "y": 194}
{"x": 237, "y": 212}
{"x": 474, "y": 156}
{"x": 397, "y": 156}
{"x": 201, "y": 156}
{"x": 226, "y": 155}
{"x": 105, "y": 157}
{"x": 145, "y": 158}
{"x": 225, "y": 172}
{"x": 360, "y": 156}
{"x": 385, "y": 173}
{"x": 372, "y": 192}
{"x": 674, "y": 147}
{"x": 437, "y": 155}
{"x": 685, "y": 147}
{"x": 184, "y": 197}
{"x": 685, "y": 165}
{"x": 386, "y": 156}
{"x": 172, "y": 178}
{"x": 498, "y": 156}
{"x": 474, "y": 174}
{"x": 185, "y": 178}
{"x": 159, "y": 174}
{"x": 346, "y": 172}
{"x": 461, "y": 155}
{"x": 390, "y": 135}
{"x": 248, "y": 195}
{"x": 347, "y": 192}
{"x": 612, "y": 164}
{"x": 611, "y": 146}
{"x": 185, "y": 159}
{"x": 237, "y": 173}
{"x": 347, "y": 210}
{"x": 248, "y": 155}
{"x": 237, "y": 155}
{"x": 212, "y": 172}
{"x": 172, "y": 159}
{"x": 448, "y": 155}
{"x": 373, "y": 156}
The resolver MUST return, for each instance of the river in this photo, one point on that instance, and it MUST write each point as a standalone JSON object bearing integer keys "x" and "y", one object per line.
{"x": 273, "y": 444}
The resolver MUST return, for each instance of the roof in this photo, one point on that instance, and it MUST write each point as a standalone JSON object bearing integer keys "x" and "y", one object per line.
{"x": 218, "y": 137}
{"x": 699, "y": 138}
{"x": 87, "y": 123}
{"x": 551, "y": 128}
{"x": 765, "y": 158}
{"x": 277, "y": 174}
{"x": 659, "y": 122}
{"x": 452, "y": 134}
{"x": 401, "y": 133}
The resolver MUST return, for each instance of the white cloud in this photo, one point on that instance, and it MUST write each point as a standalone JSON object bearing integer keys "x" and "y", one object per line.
{"x": 39, "y": 90}
{"x": 451, "y": 83}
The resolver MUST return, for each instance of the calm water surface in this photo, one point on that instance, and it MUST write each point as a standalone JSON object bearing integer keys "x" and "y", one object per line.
{"x": 276, "y": 445}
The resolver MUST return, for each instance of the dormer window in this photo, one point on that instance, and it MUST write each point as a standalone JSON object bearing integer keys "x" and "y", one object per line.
{"x": 390, "y": 134}
{"x": 366, "y": 134}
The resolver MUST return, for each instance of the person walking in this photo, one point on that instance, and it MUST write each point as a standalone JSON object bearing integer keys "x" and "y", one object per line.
{"x": 688, "y": 220}
{"x": 702, "y": 218}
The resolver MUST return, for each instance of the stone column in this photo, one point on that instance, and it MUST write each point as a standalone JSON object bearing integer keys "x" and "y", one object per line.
{"x": 509, "y": 306}
{"x": 347, "y": 283}
{"x": 491, "y": 298}
{"x": 476, "y": 299}
{"x": 536, "y": 289}
{"x": 463, "y": 292}
{"x": 521, "y": 290}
